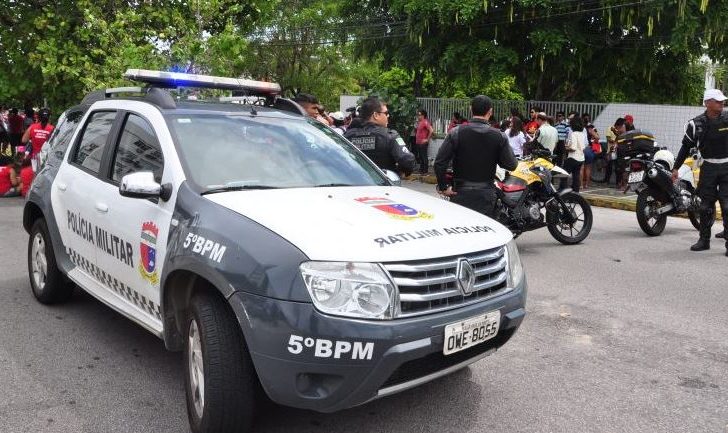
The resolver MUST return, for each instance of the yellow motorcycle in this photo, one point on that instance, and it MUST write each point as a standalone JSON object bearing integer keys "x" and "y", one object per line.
{"x": 527, "y": 200}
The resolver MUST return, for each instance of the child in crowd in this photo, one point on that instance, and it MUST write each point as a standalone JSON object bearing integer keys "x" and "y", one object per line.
{"x": 10, "y": 180}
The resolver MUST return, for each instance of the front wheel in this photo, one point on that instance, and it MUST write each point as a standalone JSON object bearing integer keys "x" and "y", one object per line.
{"x": 220, "y": 380}
{"x": 649, "y": 223}
{"x": 47, "y": 282}
{"x": 572, "y": 222}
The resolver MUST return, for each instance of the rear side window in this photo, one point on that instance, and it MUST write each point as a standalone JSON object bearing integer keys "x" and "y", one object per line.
{"x": 138, "y": 150}
{"x": 90, "y": 148}
{"x": 67, "y": 124}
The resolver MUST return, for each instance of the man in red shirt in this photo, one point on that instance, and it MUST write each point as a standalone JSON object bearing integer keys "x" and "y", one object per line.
{"x": 423, "y": 134}
{"x": 39, "y": 132}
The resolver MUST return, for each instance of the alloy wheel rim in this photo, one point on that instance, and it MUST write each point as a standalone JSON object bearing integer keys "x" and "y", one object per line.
{"x": 39, "y": 262}
{"x": 196, "y": 368}
{"x": 579, "y": 220}
{"x": 652, "y": 206}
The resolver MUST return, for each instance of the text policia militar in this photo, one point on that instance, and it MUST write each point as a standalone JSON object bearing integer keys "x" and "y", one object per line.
{"x": 424, "y": 234}
{"x": 103, "y": 240}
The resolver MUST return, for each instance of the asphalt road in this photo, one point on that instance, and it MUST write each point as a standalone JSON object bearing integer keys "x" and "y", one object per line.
{"x": 624, "y": 333}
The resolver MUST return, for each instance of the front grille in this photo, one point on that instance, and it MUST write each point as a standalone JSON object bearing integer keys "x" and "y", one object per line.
{"x": 428, "y": 286}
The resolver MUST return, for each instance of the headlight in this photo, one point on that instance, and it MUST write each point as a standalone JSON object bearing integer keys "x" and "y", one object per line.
{"x": 351, "y": 289}
{"x": 515, "y": 267}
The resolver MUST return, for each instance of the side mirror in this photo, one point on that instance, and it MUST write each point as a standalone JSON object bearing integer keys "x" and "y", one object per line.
{"x": 143, "y": 185}
{"x": 393, "y": 177}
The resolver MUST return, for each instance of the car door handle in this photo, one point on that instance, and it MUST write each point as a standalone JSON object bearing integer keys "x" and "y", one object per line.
{"x": 62, "y": 186}
{"x": 102, "y": 207}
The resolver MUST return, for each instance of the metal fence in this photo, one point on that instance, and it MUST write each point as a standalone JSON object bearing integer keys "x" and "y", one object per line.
{"x": 441, "y": 110}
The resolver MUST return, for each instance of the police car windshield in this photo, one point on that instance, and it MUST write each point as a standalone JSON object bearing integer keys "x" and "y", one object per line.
{"x": 241, "y": 151}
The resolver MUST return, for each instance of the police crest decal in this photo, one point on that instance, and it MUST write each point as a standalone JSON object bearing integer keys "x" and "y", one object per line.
{"x": 394, "y": 209}
{"x": 148, "y": 250}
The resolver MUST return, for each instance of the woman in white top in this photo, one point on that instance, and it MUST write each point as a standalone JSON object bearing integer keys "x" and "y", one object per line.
{"x": 516, "y": 137}
{"x": 575, "y": 144}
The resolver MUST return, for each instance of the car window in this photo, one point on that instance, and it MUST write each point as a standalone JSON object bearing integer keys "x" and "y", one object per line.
{"x": 91, "y": 146}
{"x": 67, "y": 124}
{"x": 138, "y": 150}
{"x": 225, "y": 150}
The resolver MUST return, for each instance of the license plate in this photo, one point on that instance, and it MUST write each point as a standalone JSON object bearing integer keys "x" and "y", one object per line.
{"x": 636, "y": 177}
{"x": 470, "y": 332}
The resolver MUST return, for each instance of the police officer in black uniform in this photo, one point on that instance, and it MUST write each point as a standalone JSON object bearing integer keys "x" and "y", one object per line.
{"x": 709, "y": 133}
{"x": 383, "y": 146}
{"x": 475, "y": 150}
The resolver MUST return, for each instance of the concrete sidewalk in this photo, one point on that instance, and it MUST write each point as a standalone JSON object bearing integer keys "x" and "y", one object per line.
{"x": 599, "y": 194}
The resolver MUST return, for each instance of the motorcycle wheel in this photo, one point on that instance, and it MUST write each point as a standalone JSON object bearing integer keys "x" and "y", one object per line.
{"x": 651, "y": 226}
{"x": 570, "y": 234}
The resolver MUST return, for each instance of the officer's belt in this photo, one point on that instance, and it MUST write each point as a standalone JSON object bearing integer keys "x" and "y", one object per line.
{"x": 716, "y": 160}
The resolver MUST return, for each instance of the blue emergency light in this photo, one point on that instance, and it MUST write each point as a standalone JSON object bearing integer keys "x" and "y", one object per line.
{"x": 177, "y": 79}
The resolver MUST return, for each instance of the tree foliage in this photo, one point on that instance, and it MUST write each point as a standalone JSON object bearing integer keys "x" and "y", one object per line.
{"x": 60, "y": 50}
{"x": 589, "y": 50}
{"x": 645, "y": 50}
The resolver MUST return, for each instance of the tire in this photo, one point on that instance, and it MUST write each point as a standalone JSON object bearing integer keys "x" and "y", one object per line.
{"x": 693, "y": 215}
{"x": 644, "y": 201}
{"x": 220, "y": 381}
{"x": 694, "y": 218}
{"x": 47, "y": 282}
{"x": 557, "y": 228}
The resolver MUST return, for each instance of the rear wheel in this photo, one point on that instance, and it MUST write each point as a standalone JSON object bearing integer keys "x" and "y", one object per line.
{"x": 646, "y": 206}
{"x": 694, "y": 216}
{"x": 47, "y": 282}
{"x": 220, "y": 380}
{"x": 573, "y": 224}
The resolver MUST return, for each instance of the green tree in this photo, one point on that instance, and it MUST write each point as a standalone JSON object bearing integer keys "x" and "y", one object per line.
{"x": 555, "y": 49}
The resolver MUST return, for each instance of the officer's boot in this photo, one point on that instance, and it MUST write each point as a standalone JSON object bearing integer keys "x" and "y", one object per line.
{"x": 706, "y": 222}
{"x": 702, "y": 245}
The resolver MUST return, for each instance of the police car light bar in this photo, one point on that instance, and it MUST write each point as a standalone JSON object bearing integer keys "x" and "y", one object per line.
{"x": 176, "y": 79}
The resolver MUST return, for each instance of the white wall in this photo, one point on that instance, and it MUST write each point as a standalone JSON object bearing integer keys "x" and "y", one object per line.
{"x": 346, "y": 101}
{"x": 666, "y": 122}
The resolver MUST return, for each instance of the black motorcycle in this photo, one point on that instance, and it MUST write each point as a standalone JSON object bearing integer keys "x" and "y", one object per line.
{"x": 657, "y": 195}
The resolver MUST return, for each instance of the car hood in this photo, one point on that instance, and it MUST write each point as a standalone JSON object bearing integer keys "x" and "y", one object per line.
{"x": 367, "y": 224}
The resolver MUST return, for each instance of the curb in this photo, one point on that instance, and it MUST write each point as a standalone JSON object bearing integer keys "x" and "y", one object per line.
{"x": 424, "y": 178}
{"x": 628, "y": 204}
{"x": 611, "y": 203}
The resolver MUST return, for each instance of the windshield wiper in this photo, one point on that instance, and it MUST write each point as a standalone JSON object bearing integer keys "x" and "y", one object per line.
{"x": 323, "y": 185}
{"x": 237, "y": 188}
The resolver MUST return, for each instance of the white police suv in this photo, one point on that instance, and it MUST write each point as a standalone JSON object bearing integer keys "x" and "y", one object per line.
{"x": 265, "y": 246}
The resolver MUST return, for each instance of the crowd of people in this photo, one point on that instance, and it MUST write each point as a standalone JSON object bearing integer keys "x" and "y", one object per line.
{"x": 573, "y": 140}
{"x": 22, "y": 136}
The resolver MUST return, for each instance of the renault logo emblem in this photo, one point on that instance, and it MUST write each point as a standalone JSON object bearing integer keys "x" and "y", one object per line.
{"x": 466, "y": 277}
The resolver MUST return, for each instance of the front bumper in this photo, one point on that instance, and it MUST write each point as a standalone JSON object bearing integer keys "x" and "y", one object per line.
{"x": 309, "y": 360}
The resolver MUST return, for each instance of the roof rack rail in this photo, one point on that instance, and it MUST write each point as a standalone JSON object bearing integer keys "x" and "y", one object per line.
{"x": 156, "y": 96}
{"x": 175, "y": 79}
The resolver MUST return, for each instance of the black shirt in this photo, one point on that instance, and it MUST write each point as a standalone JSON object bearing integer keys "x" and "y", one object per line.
{"x": 383, "y": 146}
{"x": 710, "y": 136}
{"x": 475, "y": 150}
